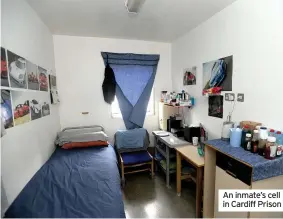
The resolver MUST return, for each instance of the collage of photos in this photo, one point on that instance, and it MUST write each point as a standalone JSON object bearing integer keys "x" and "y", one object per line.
{"x": 19, "y": 107}
{"x": 17, "y": 72}
{"x": 22, "y": 106}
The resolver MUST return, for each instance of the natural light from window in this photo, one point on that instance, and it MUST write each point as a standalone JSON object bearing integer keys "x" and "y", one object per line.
{"x": 115, "y": 109}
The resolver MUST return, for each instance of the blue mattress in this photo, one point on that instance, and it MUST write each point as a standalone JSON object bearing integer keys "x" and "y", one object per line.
{"x": 73, "y": 183}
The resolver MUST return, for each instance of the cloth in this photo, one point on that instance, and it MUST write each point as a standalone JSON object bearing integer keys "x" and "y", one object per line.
{"x": 109, "y": 85}
{"x": 131, "y": 140}
{"x": 79, "y": 135}
{"x": 134, "y": 74}
{"x": 77, "y": 183}
{"x": 135, "y": 157}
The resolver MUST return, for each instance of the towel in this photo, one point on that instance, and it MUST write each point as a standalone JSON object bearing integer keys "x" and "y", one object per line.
{"x": 131, "y": 140}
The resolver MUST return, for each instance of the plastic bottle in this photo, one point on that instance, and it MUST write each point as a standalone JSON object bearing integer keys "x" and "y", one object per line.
{"x": 255, "y": 141}
{"x": 270, "y": 149}
{"x": 271, "y": 133}
{"x": 248, "y": 142}
{"x": 244, "y": 132}
{"x": 279, "y": 143}
{"x": 263, "y": 135}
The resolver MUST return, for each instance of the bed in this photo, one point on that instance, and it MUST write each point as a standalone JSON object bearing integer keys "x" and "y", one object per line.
{"x": 83, "y": 182}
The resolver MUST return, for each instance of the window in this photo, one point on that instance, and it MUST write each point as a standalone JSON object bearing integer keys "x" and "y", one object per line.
{"x": 116, "y": 113}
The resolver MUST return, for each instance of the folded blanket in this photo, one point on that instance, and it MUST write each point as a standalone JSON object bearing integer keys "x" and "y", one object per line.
{"x": 79, "y": 136}
{"x": 126, "y": 140}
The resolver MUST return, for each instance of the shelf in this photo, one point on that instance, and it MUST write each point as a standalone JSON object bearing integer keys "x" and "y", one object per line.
{"x": 164, "y": 170}
{"x": 163, "y": 153}
{"x": 188, "y": 176}
{"x": 177, "y": 106}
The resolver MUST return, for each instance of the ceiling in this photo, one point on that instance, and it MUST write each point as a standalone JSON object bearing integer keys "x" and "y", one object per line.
{"x": 158, "y": 20}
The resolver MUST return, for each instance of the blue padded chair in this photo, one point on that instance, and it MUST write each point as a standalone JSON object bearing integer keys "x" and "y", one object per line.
{"x": 134, "y": 160}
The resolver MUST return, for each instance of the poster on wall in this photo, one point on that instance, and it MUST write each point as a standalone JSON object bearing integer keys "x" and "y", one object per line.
{"x": 6, "y": 109}
{"x": 189, "y": 76}
{"x": 218, "y": 73}
{"x": 32, "y": 73}
{"x": 17, "y": 70}
{"x": 52, "y": 82}
{"x": 53, "y": 89}
{"x": 43, "y": 80}
{"x": 4, "y": 69}
{"x": 21, "y": 110}
{"x": 45, "y": 109}
{"x": 215, "y": 106}
{"x": 35, "y": 102}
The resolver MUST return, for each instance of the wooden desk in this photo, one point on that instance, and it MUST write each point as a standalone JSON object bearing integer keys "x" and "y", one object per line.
{"x": 190, "y": 154}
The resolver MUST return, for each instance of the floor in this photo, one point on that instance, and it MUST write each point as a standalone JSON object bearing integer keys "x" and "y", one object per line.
{"x": 150, "y": 198}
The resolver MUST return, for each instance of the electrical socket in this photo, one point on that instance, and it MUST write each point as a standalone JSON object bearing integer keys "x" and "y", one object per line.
{"x": 240, "y": 97}
{"x": 229, "y": 96}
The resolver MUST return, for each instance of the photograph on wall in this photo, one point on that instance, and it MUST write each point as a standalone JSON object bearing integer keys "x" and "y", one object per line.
{"x": 215, "y": 106}
{"x": 218, "y": 73}
{"x": 4, "y": 69}
{"x": 52, "y": 82}
{"x": 43, "y": 80}
{"x": 35, "y": 103}
{"x": 45, "y": 109}
{"x": 33, "y": 81}
{"x": 17, "y": 70}
{"x": 6, "y": 109}
{"x": 21, "y": 110}
{"x": 53, "y": 89}
{"x": 189, "y": 76}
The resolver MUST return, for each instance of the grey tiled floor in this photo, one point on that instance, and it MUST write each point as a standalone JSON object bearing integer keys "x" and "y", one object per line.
{"x": 150, "y": 198}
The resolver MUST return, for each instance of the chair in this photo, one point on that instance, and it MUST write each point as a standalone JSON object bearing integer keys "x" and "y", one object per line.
{"x": 133, "y": 159}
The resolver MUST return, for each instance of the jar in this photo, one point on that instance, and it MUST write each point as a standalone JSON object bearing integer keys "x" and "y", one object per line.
{"x": 270, "y": 150}
{"x": 255, "y": 141}
{"x": 263, "y": 135}
{"x": 247, "y": 145}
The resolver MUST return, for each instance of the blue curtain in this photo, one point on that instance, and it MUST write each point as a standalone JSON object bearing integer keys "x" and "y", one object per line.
{"x": 135, "y": 74}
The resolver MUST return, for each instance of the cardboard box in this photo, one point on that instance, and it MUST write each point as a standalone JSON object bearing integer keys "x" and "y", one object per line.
{"x": 252, "y": 125}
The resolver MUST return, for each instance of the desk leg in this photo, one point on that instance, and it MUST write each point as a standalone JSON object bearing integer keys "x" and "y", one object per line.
{"x": 199, "y": 191}
{"x": 167, "y": 166}
{"x": 179, "y": 170}
{"x": 155, "y": 151}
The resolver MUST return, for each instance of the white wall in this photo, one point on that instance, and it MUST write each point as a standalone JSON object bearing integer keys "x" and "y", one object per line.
{"x": 251, "y": 31}
{"x": 25, "y": 148}
{"x": 80, "y": 72}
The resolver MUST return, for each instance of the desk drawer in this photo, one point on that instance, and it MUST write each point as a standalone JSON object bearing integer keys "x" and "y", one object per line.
{"x": 234, "y": 168}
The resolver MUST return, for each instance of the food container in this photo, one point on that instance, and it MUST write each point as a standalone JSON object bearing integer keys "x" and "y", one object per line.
{"x": 270, "y": 150}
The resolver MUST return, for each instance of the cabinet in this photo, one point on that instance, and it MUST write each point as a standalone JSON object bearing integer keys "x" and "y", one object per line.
{"x": 223, "y": 180}
{"x": 165, "y": 111}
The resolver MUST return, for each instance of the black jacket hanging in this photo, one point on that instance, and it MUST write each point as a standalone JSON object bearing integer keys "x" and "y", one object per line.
{"x": 109, "y": 85}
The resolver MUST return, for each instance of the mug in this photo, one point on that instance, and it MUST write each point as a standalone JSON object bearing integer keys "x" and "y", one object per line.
{"x": 195, "y": 141}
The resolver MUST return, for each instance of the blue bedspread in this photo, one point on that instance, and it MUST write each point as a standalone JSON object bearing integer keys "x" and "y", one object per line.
{"x": 73, "y": 183}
